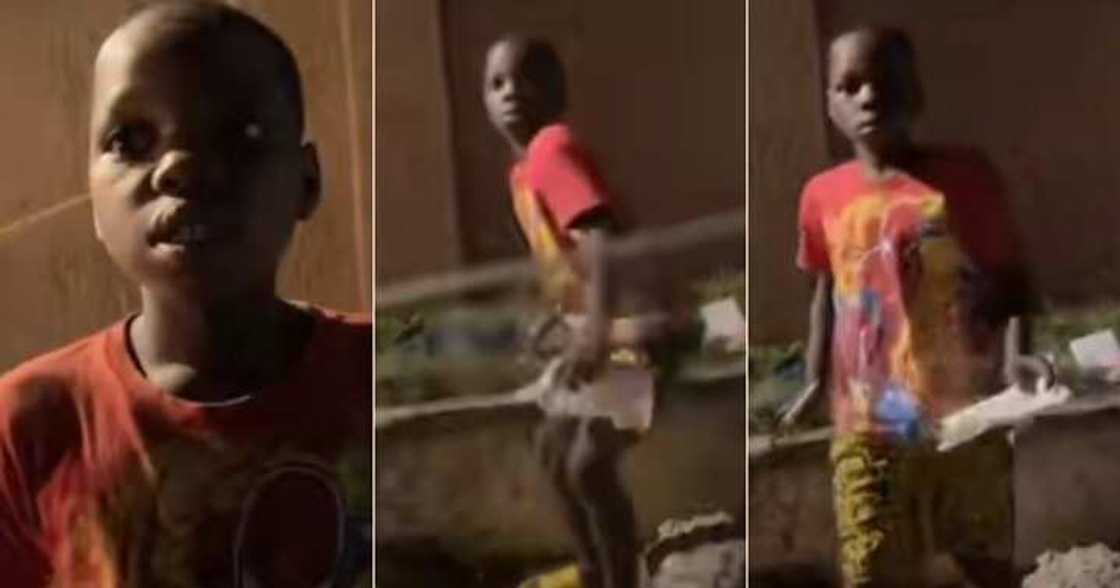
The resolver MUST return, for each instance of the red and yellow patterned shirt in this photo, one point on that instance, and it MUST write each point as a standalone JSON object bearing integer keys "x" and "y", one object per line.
{"x": 553, "y": 186}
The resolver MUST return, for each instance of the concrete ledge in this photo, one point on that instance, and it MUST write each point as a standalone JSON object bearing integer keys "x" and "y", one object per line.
{"x": 462, "y": 476}
{"x": 1067, "y": 470}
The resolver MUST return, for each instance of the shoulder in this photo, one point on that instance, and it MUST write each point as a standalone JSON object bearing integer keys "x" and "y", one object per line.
{"x": 553, "y": 138}
{"x": 830, "y": 180}
{"x": 347, "y": 335}
{"x": 43, "y": 396}
{"x": 556, "y": 142}
{"x": 64, "y": 366}
{"x": 339, "y": 365}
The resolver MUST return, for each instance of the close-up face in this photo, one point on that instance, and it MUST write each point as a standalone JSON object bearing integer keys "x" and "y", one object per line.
{"x": 516, "y": 98}
{"x": 872, "y": 93}
{"x": 197, "y": 169}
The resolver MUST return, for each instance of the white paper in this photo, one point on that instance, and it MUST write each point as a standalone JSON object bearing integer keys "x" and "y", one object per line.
{"x": 1099, "y": 350}
{"x": 724, "y": 321}
{"x": 622, "y": 393}
{"x": 1011, "y": 407}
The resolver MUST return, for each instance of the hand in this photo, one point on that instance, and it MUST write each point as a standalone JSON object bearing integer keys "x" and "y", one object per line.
{"x": 584, "y": 357}
{"x": 639, "y": 330}
{"x": 1030, "y": 371}
{"x": 800, "y": 404}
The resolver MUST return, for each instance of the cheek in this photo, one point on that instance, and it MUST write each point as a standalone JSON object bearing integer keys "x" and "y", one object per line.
{"x": 275, "y": 200}
{"x": 117, "y": 197}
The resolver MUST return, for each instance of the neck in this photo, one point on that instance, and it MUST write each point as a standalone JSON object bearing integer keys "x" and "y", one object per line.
{"x": 517, "y": 147}
{"x": 880, "y": 160}
{"x": 186, "y": 347}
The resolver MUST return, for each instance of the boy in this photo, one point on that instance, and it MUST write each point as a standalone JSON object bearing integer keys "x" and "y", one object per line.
{"x": 917, "y": 272}
{"x": 221, "y": 436}
{"x": 561, "y": 206}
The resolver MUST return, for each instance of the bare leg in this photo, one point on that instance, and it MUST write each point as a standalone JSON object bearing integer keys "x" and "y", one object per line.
{"x": 554, "y": 441}
{"x": 593, "y": 467}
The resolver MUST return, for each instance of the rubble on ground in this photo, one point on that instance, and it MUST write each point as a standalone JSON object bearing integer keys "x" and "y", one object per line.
{"x": 1095, "y": 566}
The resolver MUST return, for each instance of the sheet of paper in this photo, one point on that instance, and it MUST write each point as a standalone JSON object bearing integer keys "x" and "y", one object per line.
{"x": 1006, "y": 409}
{"x": 1098, "y": 350}
{"x": 724, "y": 321}
{"x": 624, "y": 394}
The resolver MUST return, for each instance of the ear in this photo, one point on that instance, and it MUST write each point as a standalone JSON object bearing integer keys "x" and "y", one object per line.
{"x": 312, "y": 192}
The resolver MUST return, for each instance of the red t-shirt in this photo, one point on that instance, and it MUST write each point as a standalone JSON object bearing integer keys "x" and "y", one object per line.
{"x": 553, "y": 186}
{"x": 918, "y": 262}
{"x": 107, "y": 481}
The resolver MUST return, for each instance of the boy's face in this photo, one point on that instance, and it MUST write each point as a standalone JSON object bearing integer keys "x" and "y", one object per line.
{"x": 197, "y": 169}
{"x": 517, "y": 100}
{"x": 872, "y": 94}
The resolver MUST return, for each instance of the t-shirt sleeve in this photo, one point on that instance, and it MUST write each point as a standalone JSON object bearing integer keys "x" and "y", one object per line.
{"x": 812, "y": 253}
{"x": 22, "y": 558}
{"x": 562, "y": 173}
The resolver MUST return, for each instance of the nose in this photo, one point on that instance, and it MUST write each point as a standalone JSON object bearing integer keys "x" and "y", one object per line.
{"x": 192, "y": 173}
{"x": 176, "y": 173}
{"x": 867, "y": 94}
{"x": 511, "y": 89}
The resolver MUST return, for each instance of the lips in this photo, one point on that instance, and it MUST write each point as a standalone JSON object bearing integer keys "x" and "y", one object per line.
{"x": 181, "y": 227}
{"x": 191, "y": 234}
{"x": 513, "y": 113}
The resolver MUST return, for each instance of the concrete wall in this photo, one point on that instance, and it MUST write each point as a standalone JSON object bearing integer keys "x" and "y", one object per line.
{"x": 1066, "y": 473}
{"x": 471, "y": 487}
{"x": 1033, "y": 86}
{"x": 58, "y": 282}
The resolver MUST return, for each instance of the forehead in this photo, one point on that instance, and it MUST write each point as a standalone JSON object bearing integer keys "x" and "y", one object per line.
{"x": 850, "y": 52}
{"x": 863, "y": 53}
{"x": 147, "y": 61}
{"x": 504, "y": 56}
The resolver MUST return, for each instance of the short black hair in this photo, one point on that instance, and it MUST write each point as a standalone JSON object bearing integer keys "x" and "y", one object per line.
{"x": 212, "y": 17}
{"x": 892, "y": 40}
{"x": 892, "y": 43}
{"x": 542, "y": 62}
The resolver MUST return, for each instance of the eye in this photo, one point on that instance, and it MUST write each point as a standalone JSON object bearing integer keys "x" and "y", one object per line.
{"x": 131, "y": 141}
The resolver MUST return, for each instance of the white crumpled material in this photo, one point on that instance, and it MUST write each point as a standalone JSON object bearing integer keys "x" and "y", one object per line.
{"x": 1014, "y": 406}
{"x": 623, "y": 393}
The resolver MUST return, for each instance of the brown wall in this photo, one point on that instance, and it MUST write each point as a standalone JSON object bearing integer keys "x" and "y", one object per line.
{"x": 1032, "y": 85}
{"x": 417, "y": 226}
{"x": 787, "y": 143}
{"x": 657, "y": 92}
{"x": 59, "y": 283}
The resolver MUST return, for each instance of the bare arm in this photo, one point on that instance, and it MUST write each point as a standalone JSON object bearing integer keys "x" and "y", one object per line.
{"x": 1020, "y": 367}
{"x": 590, "y": 344}
{"x": 816, "y": 349}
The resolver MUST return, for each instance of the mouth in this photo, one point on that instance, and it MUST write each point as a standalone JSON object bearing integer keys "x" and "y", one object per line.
{"x": 190, "y": 234}
{"x": 511, "y": 116}
{"x": 869, "y": 123}
{"x": 178, "y": 229}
